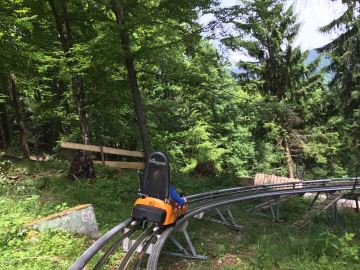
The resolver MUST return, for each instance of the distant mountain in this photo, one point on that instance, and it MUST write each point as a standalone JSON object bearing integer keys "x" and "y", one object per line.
{"x": 313, "y": 55}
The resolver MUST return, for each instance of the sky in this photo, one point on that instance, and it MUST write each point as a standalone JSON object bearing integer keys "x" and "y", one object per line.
{"x": 312, "y": 14}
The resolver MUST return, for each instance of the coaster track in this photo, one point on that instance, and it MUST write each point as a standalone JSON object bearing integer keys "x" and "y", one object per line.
{"x": 199, "y": 203}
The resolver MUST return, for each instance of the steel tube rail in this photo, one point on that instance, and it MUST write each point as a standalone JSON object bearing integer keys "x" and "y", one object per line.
{"x": 212, "y": 199}
{"x": 94, "y": 248}
{"x": 142, "y": 253}
{"x": 152, "y": 263}
{"x": 113, "y": 248}
{"x": 263, "y": 195}
{"x": 265, "y": 188}
{"x": 154, "y": 257}
{"x": 126, "y": 259}
{"x": 209, "y": 194}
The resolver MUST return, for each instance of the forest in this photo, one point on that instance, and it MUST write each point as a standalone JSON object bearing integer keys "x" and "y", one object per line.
{"x": 152, "y": 75}
{"x": 144, "y": 75}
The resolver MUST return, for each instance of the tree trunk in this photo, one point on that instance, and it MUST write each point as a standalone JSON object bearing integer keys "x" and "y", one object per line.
{"x": 64, "y": 32}
{"x": 5, "y": 129}
{"x": 289, "y": 160}
{"x": 59, "y": 27}
{"x": 78, "y": 93}
{"x": 19, "y": 116}
{"x": 82, "y": 164}
{"x": 129, "y": 63}
{"x": 3, "y": 140}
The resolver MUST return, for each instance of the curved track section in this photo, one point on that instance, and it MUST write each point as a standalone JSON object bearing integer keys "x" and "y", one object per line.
{"x": 144, "y": 237}
{"x": 327, "y": 185}
{"x": 199, "y": 203}
{"x": 113, "y": 248}
{"x": 94, "y": 248}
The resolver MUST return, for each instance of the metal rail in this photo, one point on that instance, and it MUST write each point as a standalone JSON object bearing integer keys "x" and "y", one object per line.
{"x": 201, "y": 203}
{"x": 94, "y": 248}
{"x": 142, "y": 253}
{"x": 114, "y": 247}
{"x": 222, "y": 192}
{"x": 153, "y": 259}
{"x": 145, "y": 236}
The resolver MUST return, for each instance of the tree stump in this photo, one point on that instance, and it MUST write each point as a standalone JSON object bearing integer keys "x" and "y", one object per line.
{"x": 206, "y": 169}
{"x": 82, "y": 167}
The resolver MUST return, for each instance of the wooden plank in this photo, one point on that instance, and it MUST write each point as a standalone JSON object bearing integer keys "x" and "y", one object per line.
{"x": 107, "y": 150}
{"x": 264, "y": 179}
{"x": 122, "y": 164}
{"x": 285, "y": 180}
{"x": 123, "y": 152}
{"x": 261, "y": 179}
{"x": 78, "y": 146}
{"x": 257, "y": 180}
{"x": 102, "y": 155}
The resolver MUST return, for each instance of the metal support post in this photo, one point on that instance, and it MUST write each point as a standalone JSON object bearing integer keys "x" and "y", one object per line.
{"x": 334, "y": 212}
{"x": 271, "y": 205}
{"x": 277, "y": 209}
{"x": 183, "y": 252}
{"x": 231, "y": 225}
{"x": 313, "y": 201}
{"x": 188, "y": 240}
{"x": 275, "y": 213}
{"x": 179, "y": 246}
{"x": 231, "y": 216}
{"x": 221, "y": 215}
{"x": 272, "y": 211}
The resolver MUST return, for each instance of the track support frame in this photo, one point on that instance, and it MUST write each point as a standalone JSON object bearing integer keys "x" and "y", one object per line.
{"x": 182, "y": 251}
{"x": 221, "y": 219}
{"x": 272, "y": 204}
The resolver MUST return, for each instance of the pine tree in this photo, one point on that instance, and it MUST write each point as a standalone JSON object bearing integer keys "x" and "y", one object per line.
{"x": 344, "y": 53}
{"x": 266, "y": 31}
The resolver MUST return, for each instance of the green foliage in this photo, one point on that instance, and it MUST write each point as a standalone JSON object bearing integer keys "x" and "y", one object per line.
{"x": 42, "y": 190}
{"x": 196, "y": 109}
{"x": 343, "y": 102}
{"x": 23, "y": 248}
{"x": 263, "y": 245}
{"x": 295, "y": 106}
{"x": 344, "y": 247}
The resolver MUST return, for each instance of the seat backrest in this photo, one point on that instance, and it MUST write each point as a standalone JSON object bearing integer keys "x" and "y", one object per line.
{"x": 156, "y": 180}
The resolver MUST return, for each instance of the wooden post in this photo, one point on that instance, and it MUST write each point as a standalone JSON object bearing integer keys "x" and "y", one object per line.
{"x": 102, "y": 155}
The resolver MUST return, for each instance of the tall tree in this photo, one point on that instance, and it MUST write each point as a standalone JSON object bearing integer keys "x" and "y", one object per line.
{"x": 19, "y": 116}
{"x": 152, "y": 23}
{"x": 132, "y": 77}
{"x": 265, "y": 31}
{"x": 344, "y": 54}
{"x": 65, "y": 35}
{"x": 14, "y": 28}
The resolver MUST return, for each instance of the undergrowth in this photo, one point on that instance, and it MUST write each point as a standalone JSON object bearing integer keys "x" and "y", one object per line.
{"x": 32, "y": 189}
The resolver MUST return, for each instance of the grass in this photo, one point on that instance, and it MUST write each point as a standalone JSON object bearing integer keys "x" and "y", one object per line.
{"x": 267, "y": 245}
{"x": 34, "y": 189}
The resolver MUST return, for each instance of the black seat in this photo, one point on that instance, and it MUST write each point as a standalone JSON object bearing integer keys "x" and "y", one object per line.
{"x": 156, "y": 180}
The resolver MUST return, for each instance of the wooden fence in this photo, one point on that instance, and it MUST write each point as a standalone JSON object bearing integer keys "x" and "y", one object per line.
{"x": 109, "y": 150}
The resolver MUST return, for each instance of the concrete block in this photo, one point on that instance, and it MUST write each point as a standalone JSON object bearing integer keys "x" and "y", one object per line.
{"x": 79, "y": 219}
